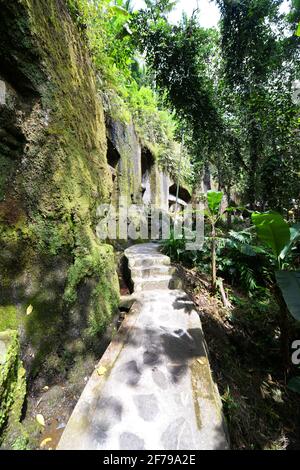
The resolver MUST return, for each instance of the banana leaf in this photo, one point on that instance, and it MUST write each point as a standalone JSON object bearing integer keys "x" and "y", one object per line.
{"x": 289, "y": 283}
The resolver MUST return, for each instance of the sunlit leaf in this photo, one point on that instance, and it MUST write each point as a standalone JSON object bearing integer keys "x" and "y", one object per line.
{"x": 29, "y": 309}
{"x": 294, "y": 237}
{"x": 272, "y": 230}
{"x": 40, "y": 419}
{"x": 119, "y": 10}
{"x": 214, "y": 199}
{"x": 101, "y": 370}
{"x": 45, "y": 442}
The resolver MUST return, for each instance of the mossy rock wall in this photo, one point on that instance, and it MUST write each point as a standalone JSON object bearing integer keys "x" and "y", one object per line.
{"x": 12, "y": 381}
{"x": 59, "y": 286}
{"x": 128, "y": 171}
{"x": 124, "y": 140}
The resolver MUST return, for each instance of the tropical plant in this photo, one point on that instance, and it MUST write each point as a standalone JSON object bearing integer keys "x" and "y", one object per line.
{"x": 174, "y": 246}
{"x": 179, "y": 58}
{"x": 242, "y": 262}
{"x": 213, "y": 213}
{"x": 274, "y": 232}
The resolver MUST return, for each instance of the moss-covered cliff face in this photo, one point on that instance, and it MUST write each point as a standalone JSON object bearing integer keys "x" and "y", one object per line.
{"x": 52, "y": 102}
{"x": 12, "y": 381}
{"x": 124, "y": 154}
{"x": 58, "y": 284}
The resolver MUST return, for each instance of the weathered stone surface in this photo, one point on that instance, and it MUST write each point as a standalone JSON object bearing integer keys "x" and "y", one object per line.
{"x": 130, "y": 441}
{"x": 158, "y": 391}
{"x": 128, "y": 181}
{"x": 148, "y": 276}
{"x": 147, "y": 406}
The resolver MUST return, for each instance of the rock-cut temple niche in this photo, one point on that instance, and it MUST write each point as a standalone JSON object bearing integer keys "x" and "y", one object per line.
{"x": 113, "y": 160}
{"x": 184, "y": 197}
{"x": 147, "y": 162}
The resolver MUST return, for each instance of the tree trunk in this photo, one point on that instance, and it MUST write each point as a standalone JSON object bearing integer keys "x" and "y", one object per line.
{"x": 213, "y": 259}
{"x": 254, "y": 144}
{"x": 206, "y": 178}
{"x": 228, "y": 214}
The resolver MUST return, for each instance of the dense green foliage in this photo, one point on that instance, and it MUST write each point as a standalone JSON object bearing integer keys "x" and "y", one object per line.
{"x": 260, "y": 61}
{"x": 127, "y": 91}
{"x": 234, "y": 91}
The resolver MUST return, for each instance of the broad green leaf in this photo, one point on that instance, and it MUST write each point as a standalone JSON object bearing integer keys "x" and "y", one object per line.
{"x": 294, "y": 236}
{"x": 289, "y": 283}
{"x": 298, "y": 30}
{"x": 272, "y": 229}
{"x": 294, "y": 384}
{"x": 214, "y": 199}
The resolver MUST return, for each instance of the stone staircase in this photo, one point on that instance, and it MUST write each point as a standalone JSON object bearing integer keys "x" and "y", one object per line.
{"x": 150, "y": 269}
{"x": 153, "y": 387}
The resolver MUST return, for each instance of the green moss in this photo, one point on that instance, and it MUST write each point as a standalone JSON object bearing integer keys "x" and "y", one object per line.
{"x": 21, "y": 442}
{"x": 51, "y": 236}
{"x": 8, "y": 317}
{"x": 48, "y": 205}
{"x": 44, "y": 323}
{"x": 99, "y": 266}
{"x": 12, "y": 382}
{"x": 76, "y": 153}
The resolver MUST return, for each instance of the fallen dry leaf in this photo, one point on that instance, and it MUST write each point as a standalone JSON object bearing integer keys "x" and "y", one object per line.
{"x": 45, "y": 442}
{"x": 29, "y": 309}
{"x": 201, "y": 361}
{"x": 101, "y": 370}
{"x": 40, "y": 419}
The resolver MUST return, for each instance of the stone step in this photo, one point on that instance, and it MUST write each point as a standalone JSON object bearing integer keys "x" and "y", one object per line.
{"x": 148, "y": 261}
{"x": 151, "y": 271}
{"x": 156, "y": 282}
{"x": 152, "y": 283}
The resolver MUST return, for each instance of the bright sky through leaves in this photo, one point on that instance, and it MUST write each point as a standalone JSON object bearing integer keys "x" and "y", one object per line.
{"x": 209, "y": 12}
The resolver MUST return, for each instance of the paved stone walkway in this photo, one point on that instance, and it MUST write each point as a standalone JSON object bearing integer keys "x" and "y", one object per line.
{"x": 155, "y": 389}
